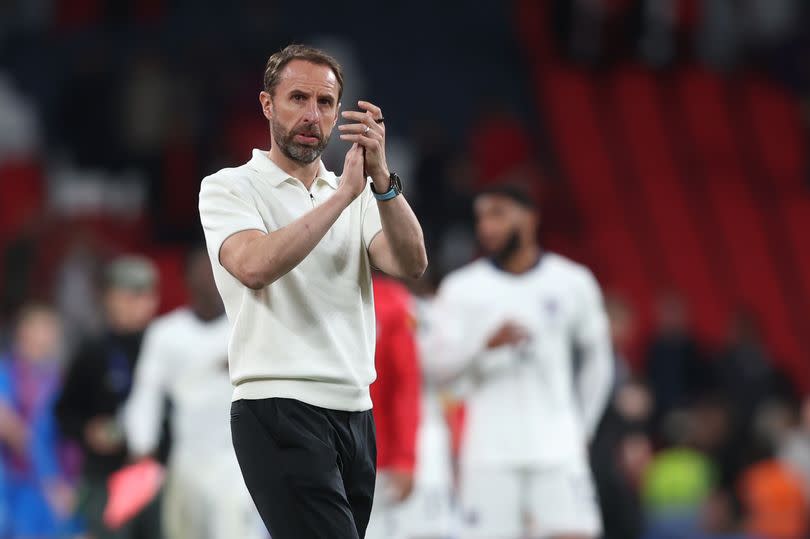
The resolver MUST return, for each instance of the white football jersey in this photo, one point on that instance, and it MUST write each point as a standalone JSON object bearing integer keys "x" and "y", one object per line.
{"x": 527, "y": 405}
{"x": 185, "y": 359}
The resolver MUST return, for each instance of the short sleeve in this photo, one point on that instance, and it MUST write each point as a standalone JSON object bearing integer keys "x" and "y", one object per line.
{"x": 372, "y": 224}
{"x": 224, "y": 211}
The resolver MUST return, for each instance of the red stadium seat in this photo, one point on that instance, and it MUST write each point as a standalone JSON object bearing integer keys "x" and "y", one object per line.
{"x": 796, "y": 215}
{"x": 753, "y": 276}
{"x": 568, "y": 99}
{"x": 23, "y": 195}
{"x": 775, "y": 117}
{"x": 665, "y": 201}
{"x": 498, "y": 144}
{"x": 696, "y": 182}
{"x": 688, "y": 14}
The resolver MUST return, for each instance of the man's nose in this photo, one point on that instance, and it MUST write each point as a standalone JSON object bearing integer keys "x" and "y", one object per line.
{"x": 312, "y": 114}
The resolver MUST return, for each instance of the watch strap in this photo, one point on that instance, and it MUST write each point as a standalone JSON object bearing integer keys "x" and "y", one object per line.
{"x": 386, "y": 196}
{"x": 393, "y": 190}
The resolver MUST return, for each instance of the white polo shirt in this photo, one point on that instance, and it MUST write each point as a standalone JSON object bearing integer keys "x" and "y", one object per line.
{"x": 309, "y": 335}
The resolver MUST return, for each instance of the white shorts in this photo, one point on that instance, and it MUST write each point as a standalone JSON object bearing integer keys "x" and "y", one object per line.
{"x": 430, "y": 511}
{"x": 515, "y": 503}
{"x": 208, "y": 499}
{"x": 426, "y": 514}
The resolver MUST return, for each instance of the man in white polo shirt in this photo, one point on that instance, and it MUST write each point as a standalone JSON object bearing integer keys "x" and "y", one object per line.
{"x": 292, "y": 247}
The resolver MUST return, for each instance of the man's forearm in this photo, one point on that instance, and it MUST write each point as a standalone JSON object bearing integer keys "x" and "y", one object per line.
{"x": 404, "y": 235}
{"x": 594, "y": 383}
{"x": 270, "y": 256}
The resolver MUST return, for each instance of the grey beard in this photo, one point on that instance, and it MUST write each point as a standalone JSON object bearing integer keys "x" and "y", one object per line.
{"x": 297, "y": 152}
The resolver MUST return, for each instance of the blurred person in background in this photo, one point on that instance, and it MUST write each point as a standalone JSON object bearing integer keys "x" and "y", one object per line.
{"x": 747, "y": 379}
{"x": 444, "y": 179}
{"x": 396, "y": 397}
{"x": 626, "y": 415}
{"x": 430, "y": 511}
{"x": 37, "y": 498}
{"x": 676, "y": 368}
{"x": 509, "y": 325}
{"x": 746, "y": 372}
{"x": 184, "y": 358}
{"x": 678, "y": 480}
{"x": 719, "y": 517}
{"x": 76, "y": 289}
{"x": 685, "y": 493}
{"x": 772, "y": 492}
{"x": 633, "y": 405}
{"x": 98, "y": 384}
{"x": 794, "y": 448}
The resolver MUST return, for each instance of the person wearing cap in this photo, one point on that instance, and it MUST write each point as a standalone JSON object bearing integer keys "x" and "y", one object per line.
{"x": 509, "y": 323}
{"x": 292, "y": 246}
{"x": 97, "y": 385}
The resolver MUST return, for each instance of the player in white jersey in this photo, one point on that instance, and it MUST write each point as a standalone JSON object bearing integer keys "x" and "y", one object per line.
{"x": 429, "y": 512}
{"x": 510, "y": 325}
{"x": 184, "y": 358}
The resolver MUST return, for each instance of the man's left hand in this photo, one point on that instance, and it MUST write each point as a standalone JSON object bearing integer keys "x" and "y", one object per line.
{"x": 369, "y": 132}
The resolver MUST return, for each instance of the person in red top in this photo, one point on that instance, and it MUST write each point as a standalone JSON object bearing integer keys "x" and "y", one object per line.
{"x": 396, "y": 395}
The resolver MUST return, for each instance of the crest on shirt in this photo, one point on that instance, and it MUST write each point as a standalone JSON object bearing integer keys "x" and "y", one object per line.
{"x": 472, "y": 517}
{"x": 551, "y": 307}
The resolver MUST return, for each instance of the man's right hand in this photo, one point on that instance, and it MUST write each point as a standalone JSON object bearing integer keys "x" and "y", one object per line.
{"x": 510, "y": 333}
{"x": 353, "y": 181}
{"x": 103, "y": 435}
{"x": 257, "y": 258}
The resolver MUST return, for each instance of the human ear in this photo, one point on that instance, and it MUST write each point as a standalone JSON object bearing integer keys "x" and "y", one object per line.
{"x": 266, "y": 101}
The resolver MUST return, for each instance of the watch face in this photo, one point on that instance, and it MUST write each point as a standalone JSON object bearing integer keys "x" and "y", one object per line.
{"x": 396, "y": 183}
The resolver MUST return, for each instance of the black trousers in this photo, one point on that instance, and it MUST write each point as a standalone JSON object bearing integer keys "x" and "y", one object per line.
{"x": 310, "y": 471}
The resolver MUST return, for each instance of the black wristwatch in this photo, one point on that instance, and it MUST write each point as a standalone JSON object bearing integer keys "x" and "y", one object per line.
{"x": 394, "y": 189}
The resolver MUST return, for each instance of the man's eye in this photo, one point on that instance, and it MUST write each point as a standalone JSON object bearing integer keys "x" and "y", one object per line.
{"x": 325, "y": 101}
{"x": 298, "y": 97}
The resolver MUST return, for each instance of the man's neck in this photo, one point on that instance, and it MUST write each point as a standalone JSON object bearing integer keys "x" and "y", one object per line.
{"x": 306, "y": 174}
{"x": 523, "y": 260}
{"x": 205, "y": 312}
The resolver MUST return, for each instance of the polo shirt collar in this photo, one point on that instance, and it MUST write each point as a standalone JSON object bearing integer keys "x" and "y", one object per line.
{"x": 275, "y": 176}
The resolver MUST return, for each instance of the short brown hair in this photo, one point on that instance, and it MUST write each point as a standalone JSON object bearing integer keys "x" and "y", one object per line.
{"x": 277, "y": 62}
